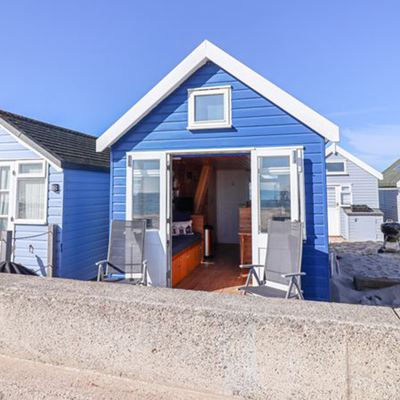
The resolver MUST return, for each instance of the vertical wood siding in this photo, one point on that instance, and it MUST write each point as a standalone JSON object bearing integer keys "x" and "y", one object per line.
{"x": 256, "y": 122}
{"x": 86, "y": 222}
{"x": 365, "y": 228}
{"x": 389, "y": 200}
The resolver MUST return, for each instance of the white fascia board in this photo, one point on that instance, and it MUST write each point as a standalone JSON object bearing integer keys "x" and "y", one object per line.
{"x": 273, "y": 93}
{"x": 334, "y": 148}
{"x": 398, "y": 184}
{"x": 31, "y": 145}
{"x": 209, "y": 52}
{"x": 155, "y": 96}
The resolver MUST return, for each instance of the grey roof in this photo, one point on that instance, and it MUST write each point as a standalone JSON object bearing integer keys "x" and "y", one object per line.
{"x": 391, "y": 175}
{"x": 64, "y": 147}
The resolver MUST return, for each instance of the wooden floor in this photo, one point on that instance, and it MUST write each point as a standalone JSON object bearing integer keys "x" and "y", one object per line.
{"x": 220, "y": 274}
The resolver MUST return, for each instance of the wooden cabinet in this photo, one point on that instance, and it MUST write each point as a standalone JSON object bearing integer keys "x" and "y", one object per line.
{"x": 185, "y": 262}
{"x": 245, "y": 219}
{"x": 246, "y": 255}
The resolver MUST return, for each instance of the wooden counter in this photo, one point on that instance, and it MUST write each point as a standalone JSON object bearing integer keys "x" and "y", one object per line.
{"x": 245, "y": 235}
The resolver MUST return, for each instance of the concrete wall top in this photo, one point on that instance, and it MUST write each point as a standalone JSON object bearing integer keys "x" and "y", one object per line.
{"x": 220, "y": 344}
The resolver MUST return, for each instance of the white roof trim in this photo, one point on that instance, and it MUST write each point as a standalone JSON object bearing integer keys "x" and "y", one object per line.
{"x": 209, "y": 52}
{"x": 334, "y": 148}
{"x": 31, "y": 145}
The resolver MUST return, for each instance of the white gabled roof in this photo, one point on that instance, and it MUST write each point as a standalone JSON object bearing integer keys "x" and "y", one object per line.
{"x": 209, "y": 52}
{"x": 334, "y": 148}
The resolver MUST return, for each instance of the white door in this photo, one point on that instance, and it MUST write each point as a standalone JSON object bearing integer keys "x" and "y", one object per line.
{"x": 5, "y": 196}
{"x": 333, "y": 199}
{"x": 276, "y": 177}
{"x": 148, "y": 189}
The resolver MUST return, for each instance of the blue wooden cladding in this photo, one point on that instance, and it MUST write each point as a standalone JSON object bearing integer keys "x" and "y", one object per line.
{"x": 86, "y": 223}
{"x": 80, "y": 209}
{"x": 256, "y": 122}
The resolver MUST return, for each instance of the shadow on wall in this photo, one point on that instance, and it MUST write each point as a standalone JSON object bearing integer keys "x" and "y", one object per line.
{"x": 316, "y": 284}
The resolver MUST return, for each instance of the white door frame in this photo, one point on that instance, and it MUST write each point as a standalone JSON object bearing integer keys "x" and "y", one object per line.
{"x": 11, "y": 191}
{"x": 259, "y": 239}
{"x": 163, "y": 236}
{"x": 157, "y": 241}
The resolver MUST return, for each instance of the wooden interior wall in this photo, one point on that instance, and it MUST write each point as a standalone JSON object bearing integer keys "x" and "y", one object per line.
{"x": 187, "y": 172}
{"x": 188, "y": 177}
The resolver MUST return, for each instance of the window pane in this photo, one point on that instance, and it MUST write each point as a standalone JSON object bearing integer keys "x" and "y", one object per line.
{"x": 3, "y": 224}
{"x": 4, "y": 204}
{"x": 346, "y": 196}
{"x": 274, "y": 193}
{"x": 146, "y": 192}
{"x": 33, "y": 168}
{"x": 346, "y": 199}
{"x": 30, "y": 199}
{"x": 4, "y": 178}
{"x": 209, "y": 108}
{"x": 335, "y": 166}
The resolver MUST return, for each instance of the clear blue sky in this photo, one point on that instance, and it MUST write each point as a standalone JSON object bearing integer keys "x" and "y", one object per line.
{"x": 83, "y": 63}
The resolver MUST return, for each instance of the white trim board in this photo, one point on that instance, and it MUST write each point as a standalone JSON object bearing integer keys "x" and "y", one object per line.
{"x": 31, "y": 145}
{"x": 334, "y": 148}
{"x": 209, "y": 52}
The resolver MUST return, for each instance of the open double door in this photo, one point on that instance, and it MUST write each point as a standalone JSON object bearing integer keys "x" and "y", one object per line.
{"x": 277, "y": 191}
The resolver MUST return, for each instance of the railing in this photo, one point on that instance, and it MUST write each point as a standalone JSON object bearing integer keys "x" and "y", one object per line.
{"x": 334, "y": 264}
{"x": 5, "y": 245}
{"x": 8, "y": 244}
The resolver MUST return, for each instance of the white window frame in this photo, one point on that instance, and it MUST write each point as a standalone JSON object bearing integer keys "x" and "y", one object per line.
{"x": 17, "y": 176}
{"x": 11, "y": 193}
{"x": 350, "y": 191}
{"x": 297, "y": 181}
{"x": 344, "y": 172}
{"x": 226, "y": 91}
{"x": 130, "y": 156}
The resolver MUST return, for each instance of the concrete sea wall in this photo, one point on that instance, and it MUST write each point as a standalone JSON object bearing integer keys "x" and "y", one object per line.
{"x": 178, "y": 344}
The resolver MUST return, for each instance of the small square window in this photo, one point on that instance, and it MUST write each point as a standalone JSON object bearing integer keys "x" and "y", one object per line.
{"x": 336, "y": 167}
{"x": 209, "y": 108}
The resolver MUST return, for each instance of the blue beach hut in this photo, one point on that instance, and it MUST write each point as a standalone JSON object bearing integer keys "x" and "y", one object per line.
{"x": 214, "y": 143}
{"x": 54, "y": 197}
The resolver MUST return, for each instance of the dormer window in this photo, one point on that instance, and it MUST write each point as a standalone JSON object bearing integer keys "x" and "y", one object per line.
{"x": 209, "y": 108}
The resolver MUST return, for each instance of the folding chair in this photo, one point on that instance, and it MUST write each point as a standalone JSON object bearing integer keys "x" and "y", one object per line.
{"x": 282, "y": 268}
{"x": 125, "y": 254}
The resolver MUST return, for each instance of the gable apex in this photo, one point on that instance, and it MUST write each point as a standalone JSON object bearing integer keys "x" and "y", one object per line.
{"x": 205, "y": 52}
{"x": 335, "y": 149}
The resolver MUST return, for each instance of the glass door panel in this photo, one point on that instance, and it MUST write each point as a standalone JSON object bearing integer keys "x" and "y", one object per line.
{"x": 146, "y": 192}
{"x": 147, "y": 197}
{"x": 275, "y": 187}
{"x": 274, "y": 190}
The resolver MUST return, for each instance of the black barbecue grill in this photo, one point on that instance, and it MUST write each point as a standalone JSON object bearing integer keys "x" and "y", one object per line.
{"x": 391, "y": 234}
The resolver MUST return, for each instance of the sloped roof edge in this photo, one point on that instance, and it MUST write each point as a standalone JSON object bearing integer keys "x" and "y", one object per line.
{"x": 334, "y": 148}
{"x": 207, "y": 51}
{"x": 63, "y": 148}
{"x": 32, "y": 145}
